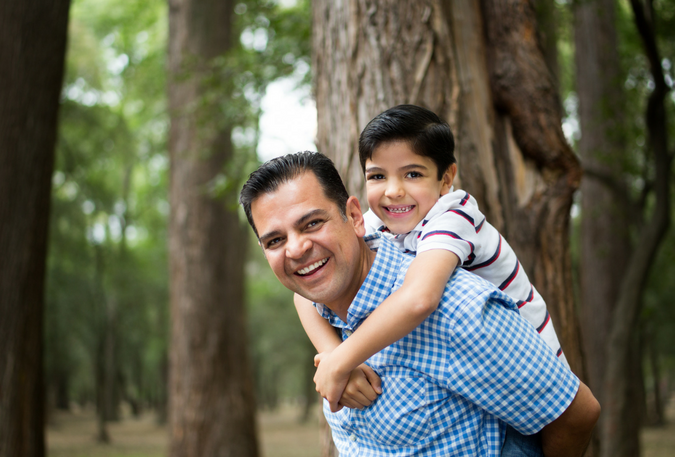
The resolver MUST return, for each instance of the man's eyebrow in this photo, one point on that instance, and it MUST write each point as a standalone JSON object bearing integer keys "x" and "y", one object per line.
{"x": 299, "y": 222}
{"x": 310, "y": 215}
{"x": 270, "y": 235}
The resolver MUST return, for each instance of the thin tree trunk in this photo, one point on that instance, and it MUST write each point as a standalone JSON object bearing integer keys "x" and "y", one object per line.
{"x": 32, "y": 52}
{"x": 605, "y": 244}
{"x": 212, "y": 407}
{"x": 650, "y": 235}
{"x": 478, "y": 65}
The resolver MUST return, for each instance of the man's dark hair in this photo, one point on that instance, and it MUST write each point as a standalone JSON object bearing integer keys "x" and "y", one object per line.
{"x": 273, "y": 173}
{"x": 425, "y": 132}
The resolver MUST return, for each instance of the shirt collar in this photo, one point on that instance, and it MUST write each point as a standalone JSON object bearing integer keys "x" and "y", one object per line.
{"x": 379, "y": 283}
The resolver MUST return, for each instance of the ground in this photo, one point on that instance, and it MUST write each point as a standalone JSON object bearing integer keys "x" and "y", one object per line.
{"x": 72, "y": 435}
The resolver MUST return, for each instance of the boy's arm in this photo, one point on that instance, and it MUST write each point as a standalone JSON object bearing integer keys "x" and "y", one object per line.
{"x": 364, "y": 385}
{"x": 396, "y": 317}
{"x": 320, "y": 332}
{"x": 570, "y": 433}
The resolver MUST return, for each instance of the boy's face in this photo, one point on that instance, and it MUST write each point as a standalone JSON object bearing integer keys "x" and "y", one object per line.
{"x": 402, "y": 186}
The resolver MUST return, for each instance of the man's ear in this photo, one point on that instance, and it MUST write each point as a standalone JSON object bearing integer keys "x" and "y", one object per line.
{"x": 355, "y": 216}
{"x": 448, "y": 178}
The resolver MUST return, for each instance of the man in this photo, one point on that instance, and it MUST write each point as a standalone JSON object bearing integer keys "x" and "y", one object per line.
{"x": 450, "y": 386}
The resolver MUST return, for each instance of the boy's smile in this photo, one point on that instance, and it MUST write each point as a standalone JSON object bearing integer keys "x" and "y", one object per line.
{"x": 402, "y": 186}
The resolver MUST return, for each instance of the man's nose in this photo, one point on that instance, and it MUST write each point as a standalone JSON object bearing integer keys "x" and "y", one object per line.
{"x": 297, "y": 246}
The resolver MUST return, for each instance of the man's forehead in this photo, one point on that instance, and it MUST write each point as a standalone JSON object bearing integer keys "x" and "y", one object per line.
{"x": 292, "y": 201}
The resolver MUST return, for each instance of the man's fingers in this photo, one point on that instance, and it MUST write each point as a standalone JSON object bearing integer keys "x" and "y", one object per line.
{"x": 317, "y": 360}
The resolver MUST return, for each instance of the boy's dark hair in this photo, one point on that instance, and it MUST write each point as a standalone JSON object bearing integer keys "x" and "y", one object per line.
{"x": 273, "y": 173}
{"x": 426, "y": 133}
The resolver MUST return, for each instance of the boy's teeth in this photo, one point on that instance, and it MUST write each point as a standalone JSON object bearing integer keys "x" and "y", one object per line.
{"x": 403, "y": 209}
{"x": 312, "y": 267}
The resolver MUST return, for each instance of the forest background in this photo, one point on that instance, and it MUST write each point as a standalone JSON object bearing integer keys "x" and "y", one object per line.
{"x": 112, "y": 324}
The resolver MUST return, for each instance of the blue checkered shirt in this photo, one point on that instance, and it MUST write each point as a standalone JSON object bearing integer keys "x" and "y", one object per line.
{"x": 450, "y": 385}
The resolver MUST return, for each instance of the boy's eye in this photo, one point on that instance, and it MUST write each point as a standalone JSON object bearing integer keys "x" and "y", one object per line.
{"x": 375, "y": 177}
{"x": 414, "y": 174}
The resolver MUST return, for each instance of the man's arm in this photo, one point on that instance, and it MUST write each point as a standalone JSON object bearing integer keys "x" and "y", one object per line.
{"x": 396, "y": 317}
{"x": 570, "y": 433}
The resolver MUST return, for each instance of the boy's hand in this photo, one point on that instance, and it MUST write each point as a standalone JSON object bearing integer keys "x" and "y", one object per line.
{"x": 357, "y": 389}
{"x": 330, "y": 381}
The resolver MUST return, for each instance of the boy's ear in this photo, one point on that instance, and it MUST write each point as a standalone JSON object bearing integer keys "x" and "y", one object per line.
{"x": 448, "y": 178}
{"x": 355, "y": 216}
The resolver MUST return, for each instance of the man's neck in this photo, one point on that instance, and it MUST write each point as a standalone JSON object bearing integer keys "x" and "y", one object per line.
{"x": 366, "y": 259}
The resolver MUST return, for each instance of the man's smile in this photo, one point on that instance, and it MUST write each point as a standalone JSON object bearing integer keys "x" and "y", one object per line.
{"x": 311, "y": 268}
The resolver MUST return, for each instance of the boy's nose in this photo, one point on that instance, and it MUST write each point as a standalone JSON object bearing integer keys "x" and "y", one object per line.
{"x": 394, "y": 189}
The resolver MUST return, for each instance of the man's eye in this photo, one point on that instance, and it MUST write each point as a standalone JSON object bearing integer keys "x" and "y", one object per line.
{"x": 273, "y": 242}
{"x": 314, "y": 224}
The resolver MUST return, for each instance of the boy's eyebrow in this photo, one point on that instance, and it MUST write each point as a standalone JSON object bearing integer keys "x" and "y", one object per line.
{"x": 371, "y": 169}
{"x": 411, "y": 166}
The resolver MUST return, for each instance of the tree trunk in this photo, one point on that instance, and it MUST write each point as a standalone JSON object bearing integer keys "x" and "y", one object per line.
{"x": 605, "y": 245}
{"x": 650, "y": 234}
{"x": 478, "y": 65}
{"x": 212, "y": 407}
{"x": 32, "y": 52}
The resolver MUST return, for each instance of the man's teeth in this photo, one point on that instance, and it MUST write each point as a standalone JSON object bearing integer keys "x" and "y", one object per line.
{"x": 312, "y": 267}
{"x": 400, "y": 209}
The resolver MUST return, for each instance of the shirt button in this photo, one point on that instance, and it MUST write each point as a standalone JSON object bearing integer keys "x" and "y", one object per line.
{"x": 352, "y": 437}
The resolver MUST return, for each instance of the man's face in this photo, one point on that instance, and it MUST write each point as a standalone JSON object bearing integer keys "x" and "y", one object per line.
{"x": 311, "y": 248}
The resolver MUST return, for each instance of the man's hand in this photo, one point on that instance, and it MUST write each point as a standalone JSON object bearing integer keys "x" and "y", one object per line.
{"x": 356, "y": 389}
{"x": 362, "y": 389}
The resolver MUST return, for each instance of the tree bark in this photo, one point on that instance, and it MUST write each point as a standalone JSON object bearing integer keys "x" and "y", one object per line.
{"x": 650, "y": 234}
{"x": 212, "y": 407}
{"x": 478, "y": 65}
{"x": 605, "y": 244}
{"x": 32, "y": 52}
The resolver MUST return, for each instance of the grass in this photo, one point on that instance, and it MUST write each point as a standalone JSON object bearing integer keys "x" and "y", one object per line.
{"x": 281, "y": 435}
{"x": 73, "y": 434}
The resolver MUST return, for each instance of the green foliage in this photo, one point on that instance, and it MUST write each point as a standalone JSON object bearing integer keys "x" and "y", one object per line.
{"x": 107, "y": 259}
{"x": 107, "y": 263}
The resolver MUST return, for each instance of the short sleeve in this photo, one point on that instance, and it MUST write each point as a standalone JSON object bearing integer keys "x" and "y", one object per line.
{"x": 456, "y": 228}
{"x": 503, "y": 366}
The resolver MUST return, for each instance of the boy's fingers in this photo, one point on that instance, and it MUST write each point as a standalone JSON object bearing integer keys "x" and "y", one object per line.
{"x": 334, "y": 406}
{"x": 317, "y": 360}
{"x": 373, "y": 378}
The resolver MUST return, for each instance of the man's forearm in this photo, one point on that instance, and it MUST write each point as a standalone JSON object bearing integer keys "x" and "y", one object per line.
{"x": 569, "y": 434}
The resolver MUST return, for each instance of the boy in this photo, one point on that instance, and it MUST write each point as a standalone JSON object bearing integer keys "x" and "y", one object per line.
{"x": 407, "y": 156}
